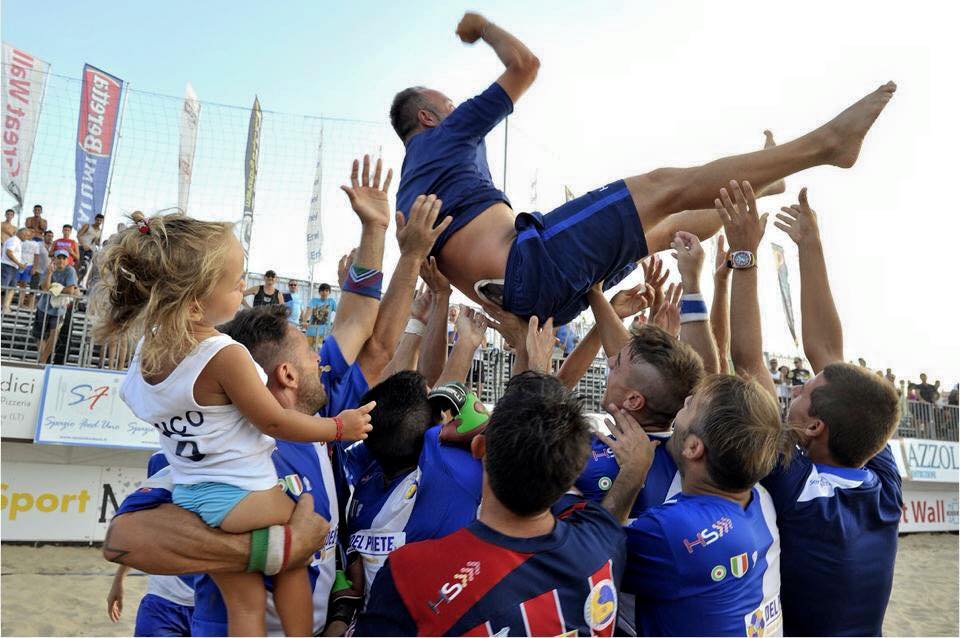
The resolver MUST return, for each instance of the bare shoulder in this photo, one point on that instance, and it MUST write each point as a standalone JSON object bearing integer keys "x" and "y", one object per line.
{"x": 208, "y": 389}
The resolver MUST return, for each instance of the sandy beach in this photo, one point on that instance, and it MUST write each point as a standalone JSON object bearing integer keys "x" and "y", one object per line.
{"x": 62, "y": 591}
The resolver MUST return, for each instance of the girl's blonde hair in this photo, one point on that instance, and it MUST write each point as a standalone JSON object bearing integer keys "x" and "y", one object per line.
{"x": 150, "y": 280}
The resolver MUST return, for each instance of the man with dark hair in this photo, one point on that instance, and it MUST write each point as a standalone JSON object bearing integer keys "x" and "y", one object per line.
{"x": 36, "y": 222}
{"x": 267, "y": 293}
{"x": 407, "y": 485}
{"x": 544, "y": 265}
{"x": 68, "y": 244}
{"x": 926, "y": 391}
{"x": 838, "y": 496}
{"x": 320, "y": 315}
{"x": 799, "y": 375}
{"x": 9, "y": 228}
{"x": 518, "y": 569}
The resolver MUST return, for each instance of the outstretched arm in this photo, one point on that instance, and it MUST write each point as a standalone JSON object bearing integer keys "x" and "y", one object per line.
{"x": 408, "y": 351}
{"x": 744, "y": 228}
{"x": 694, "y": 328}
{"x": 433, "y": 348}
{"x": 720, "y": 308}
{"x": 822, "y": 332}
{"x": 522, "y": 65}
{"x": 471, "y": 326}
{"x": 356, "y": 313}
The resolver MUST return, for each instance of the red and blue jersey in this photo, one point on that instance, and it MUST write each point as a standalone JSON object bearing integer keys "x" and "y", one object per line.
{"x": 838, "y": 530}
{"x": 451, "y": 162}
{"x": 479, "y": 582}
{"x": 440, "y": 496}
{"x": 702, "y": 565}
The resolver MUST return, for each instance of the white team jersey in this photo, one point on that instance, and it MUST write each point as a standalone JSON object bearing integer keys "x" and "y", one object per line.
{"x": 212, "y": 443}
{"x": 171, "y": 588}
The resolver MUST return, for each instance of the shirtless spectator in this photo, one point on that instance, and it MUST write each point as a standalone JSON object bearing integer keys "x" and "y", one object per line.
{"x": 37, "y": 223}
{"x": 9, "y": 228}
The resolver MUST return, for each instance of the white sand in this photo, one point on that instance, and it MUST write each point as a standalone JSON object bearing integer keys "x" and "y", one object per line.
{"x": 62, "y": 591}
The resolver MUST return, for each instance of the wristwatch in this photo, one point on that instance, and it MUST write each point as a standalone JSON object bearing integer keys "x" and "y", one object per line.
{"x": 741, "y": 260}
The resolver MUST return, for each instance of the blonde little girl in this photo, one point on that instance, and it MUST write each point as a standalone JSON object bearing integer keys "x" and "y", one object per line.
{"x": 173, "y": 279}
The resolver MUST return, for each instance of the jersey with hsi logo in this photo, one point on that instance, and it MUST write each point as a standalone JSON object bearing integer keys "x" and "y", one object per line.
{"x": 478, "y": 582}
{"x": 704, "y": 565}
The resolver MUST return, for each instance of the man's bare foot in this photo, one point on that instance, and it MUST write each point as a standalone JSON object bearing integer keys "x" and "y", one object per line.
{"x": 779, "y": 186}
{"x": 843, "y": 135}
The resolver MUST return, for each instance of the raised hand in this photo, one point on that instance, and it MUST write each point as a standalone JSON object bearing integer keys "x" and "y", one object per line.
{"x": 721, "y": 272}
{"x": 689, "y": 255}
{"x": 356, "y": 423}
{"x": 432, "y": 276}
{"x": 512, "y": 328}
{"x": 668, "y": 316}
{"x": 471, "y": 327}
{"x": 742, "y": 224}
{"x": 420, "y": 308}
{"x": 655, "y": 275}
{"x": 539, "y": 344}
{"x": 367, "y": 198}
{"x": 631, "y": 446}
{"x": 799, "y": 221}
{"x": 471, "y": 27}
{"x": 344, "y": 266}
{"x": 629, "y": 302}
{"x": 417, "y": 234}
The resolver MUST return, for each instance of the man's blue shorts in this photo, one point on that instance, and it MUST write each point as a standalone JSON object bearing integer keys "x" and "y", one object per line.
{"x": 556, "y": 258}
{"x": 25, "y": 274}
{"x": 158, "y": 616}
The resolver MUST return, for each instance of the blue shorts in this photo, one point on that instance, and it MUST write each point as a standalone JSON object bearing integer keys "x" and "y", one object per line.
{"x": 158, "y": 616}
{"x": 25, "y": 274}
{"x": 556, "y": 258}
{"x": 211, "y": 501}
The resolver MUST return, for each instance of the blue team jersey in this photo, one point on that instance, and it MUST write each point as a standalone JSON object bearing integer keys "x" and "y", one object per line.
{"x": 478, "y": 582}
{"x": 301, "y": 467}
{"x": 437, "y": 498}
{"x": 663, "y": 480}
{"x": 705, "y": 566}
{"x": 838, "y": 529}
{"x": 450, "y": 161}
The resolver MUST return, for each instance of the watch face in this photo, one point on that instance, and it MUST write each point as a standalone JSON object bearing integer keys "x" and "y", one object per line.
{"x": 741, "y": 259}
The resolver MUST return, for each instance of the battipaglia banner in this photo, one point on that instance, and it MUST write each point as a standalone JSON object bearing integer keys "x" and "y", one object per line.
{"x": 101, "y": 100}
{"x": 783, "y": 277}
{"x": 250, "y": 159}
{"x": 314, "y": 221}
{"x": 24, "y": 81}
{"x": 189, "y": 122}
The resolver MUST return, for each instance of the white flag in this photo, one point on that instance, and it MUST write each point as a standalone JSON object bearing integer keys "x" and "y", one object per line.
{"x": 189, "y": 123}
{"x": 24, "y": 81}
{"x": 314, "y": 221}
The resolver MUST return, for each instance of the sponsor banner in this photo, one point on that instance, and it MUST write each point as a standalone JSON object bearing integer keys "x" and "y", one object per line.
{"x": 935, "y": 461}
{"x": 20, "y": 390}
{"x": 50, "y": 502}
{"x": 24, "y": 82}
{"x": 783, "y": 277}
{"x": 250, "y": 160}
{"x": 314, "y": 221}
{"x": 82, "y": 406}
{"x": 189, "y": 122}
{"x": 100, "y": 102}
{"x": 930, "y": 511}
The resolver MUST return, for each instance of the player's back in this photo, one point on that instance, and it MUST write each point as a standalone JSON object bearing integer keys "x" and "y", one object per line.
{"x": 478, "y": 582}
{"x": 838, "y": 529}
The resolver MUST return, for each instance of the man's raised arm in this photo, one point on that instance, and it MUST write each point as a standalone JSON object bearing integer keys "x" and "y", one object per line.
{"x": 694, "y": 319}
{"x": 522, "y": 65}
{"x": 744, "y": 228}
{"x": 822, "y": 332}
{"x": 360, "y": 298}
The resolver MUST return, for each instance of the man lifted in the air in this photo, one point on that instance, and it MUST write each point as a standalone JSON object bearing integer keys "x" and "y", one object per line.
{"x": 543, "y": 265}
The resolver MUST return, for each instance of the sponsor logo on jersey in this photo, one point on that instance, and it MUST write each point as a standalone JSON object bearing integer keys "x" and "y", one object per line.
{"x": 709, "y": 535}
{"x": 739, "y": 565}
{"x": 411, "y": 490}
{"x": 754, "y": 557}
{"x": 455, "y": 586}
{"x": 600, "y": 608}
{"x": 599, "y": 455}
{"x": 604, "y": 483}
{"x": 718, "y": 573}
{"x": 765, "y": 620}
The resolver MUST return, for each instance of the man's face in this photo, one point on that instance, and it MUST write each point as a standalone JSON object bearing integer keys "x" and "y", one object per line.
{"x": 923, "y": 378}
{"x": 8, "y": 215}
{"x": 60, "y": 262}
{"x": 773, "y": 364}
{"x": 311, "y": 395}
{"x": 67, "y": 231}
{"x": 799, "y": 414}
{"x": 97, "y": 221}
{"x": 797, "y": 363}
{"x": 617, "y": 386}
{"x": 37, "y": 211}
{"x": 270, "y": 280}
{"x": 293, "y": 287}
{"x": 324, "y": 293}
{"x": 440, "y": 104}
{"x": 48, "y": 237}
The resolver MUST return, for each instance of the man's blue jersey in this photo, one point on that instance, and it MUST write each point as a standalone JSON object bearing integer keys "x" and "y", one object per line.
{"x": 478, "y": 582}
{"x": 450, "y": 161}
{"x": 705, "y": 566}
{"x": 838, "y": 529}
{"x": 301, "y": 468}
{"x": 440, "y": 496}
{"x": 663, "y": 480}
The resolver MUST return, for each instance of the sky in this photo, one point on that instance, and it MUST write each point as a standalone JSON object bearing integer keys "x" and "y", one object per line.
{"x": 624, "y": 87}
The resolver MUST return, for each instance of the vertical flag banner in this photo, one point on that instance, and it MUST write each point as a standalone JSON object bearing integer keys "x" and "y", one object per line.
{"x": 100, "y": 102}
{"x": 783, "y": 276}
{"x": 314, "y": 221}
{"x": 568, "y": 194}
{"x": 250, "y": 159}
{"x": 189, "y": 122}
{"x": 24, "y": 81}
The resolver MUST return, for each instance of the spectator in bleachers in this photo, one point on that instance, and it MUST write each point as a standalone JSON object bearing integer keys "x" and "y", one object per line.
{"x": 292, "y": 300}
{"x": 68, "y": 244}
{"x": 799, "y": 375}
{"x": 891, "y": 377}
{"x": 43, "y": 259}
{"x": 320, "y": 316}
{"x": 927, "y": 392}
{"x": 37, "y": 223}
{"x": 567, "y": 340}
{"x": 783, "y": 383}
{"x": 60, "y": 280}
{"x": 89, "y": 238}
{"x": 266, "y": 295}
{"x": 30, "y": 251}
{"x": 9, "y": 228}
{"x": 12, "y": 264}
